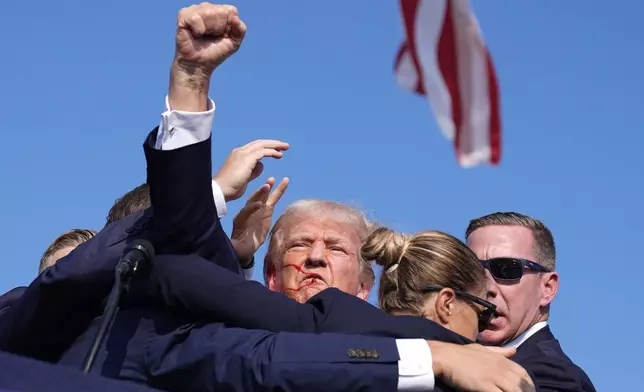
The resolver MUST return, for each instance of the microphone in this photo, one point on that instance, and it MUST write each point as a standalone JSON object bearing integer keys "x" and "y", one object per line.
{"x": 138, "y": 252}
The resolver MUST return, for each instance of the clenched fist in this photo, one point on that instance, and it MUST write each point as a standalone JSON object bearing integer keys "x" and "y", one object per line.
{"x": 207, "y": 34}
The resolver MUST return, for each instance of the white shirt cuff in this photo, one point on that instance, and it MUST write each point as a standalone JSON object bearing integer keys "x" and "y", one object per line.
{"x": 248, "y": 272}
{"x": 220, "y": 200}
{"x": 415, "y": 367}
{"x": 179, "y": 129}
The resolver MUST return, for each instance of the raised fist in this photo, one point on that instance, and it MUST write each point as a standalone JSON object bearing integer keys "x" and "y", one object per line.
{"x": 207, "y": 34}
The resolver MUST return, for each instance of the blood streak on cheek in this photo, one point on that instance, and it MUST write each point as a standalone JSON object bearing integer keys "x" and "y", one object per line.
{"x": 299, "y": 269}
{"x": 301, "y": 287}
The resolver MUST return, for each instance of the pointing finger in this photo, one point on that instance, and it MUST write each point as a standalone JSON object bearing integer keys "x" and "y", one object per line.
{"x": 278, "y": 192}
{"x": 267, "y": 153}
{"x": 260, "y": 144}
{"x": 262, "y": 193}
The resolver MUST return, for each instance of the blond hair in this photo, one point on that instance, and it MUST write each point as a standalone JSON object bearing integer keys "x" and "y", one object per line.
{"x": 71, "y": 238}
{"x": 332, "y": 210}
{"x": 412, "y": 262}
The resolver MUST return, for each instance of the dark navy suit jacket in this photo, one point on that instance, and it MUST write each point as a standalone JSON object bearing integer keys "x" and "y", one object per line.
{"x": 203, "y": 288}
{"x": 148, "y": 344}
{"x": 27, "y": 375}
{"x": 553, "y": 370}
{"x": 9, "y": 298}
{"x": 184, "y": 221}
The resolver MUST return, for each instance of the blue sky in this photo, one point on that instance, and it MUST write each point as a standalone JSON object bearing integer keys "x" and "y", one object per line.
{"x": 82, "y": 86}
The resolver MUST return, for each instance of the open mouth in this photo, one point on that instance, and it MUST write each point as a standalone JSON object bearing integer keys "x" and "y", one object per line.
{"x": 495, "y": 324}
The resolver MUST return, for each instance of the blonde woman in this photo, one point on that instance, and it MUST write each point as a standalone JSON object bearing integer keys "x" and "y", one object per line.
{"x": 431, "y": 274}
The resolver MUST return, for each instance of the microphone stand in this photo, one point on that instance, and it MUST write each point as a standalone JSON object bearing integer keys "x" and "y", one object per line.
{"x": 138, "y": 252}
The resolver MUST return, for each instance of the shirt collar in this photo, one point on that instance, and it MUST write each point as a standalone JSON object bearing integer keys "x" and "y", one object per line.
{"x": 526, "y": 335}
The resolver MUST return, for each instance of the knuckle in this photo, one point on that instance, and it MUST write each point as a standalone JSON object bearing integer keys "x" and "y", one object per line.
{"x": 184, "y": 12}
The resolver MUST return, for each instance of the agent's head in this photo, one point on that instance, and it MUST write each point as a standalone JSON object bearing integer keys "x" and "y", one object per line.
{"x": 519, "y": 254}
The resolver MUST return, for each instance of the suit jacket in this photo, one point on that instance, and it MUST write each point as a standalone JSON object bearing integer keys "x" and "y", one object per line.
{"x": 60, "y": 302}
{"x": 9, "y": 298}
{"x": 168, "y": 349}
{"x": 27, "y": 375}
{"x": 203, "y": 288}
{"x": 151, "y": 346}
{"x": 552, "y": 369}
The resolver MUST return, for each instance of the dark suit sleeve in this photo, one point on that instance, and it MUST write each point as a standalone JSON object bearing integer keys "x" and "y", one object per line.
{"x": 185, "y": 216}
{"x": 218, "y": 295}
{"x": 555, "y": 374}
{"x": 66, "y": 297}
{"x": 212, "y": 358}
{"x": 27, "y": 375}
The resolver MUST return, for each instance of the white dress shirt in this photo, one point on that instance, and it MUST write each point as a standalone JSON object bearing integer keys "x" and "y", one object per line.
{"x": 179, "y": 129}
{"x": 526, "y": 335}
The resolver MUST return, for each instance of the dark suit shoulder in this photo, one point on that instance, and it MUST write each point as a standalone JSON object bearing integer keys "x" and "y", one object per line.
{"x": 542, "y": 355}
{"x": 353, "y": 315}
{"x": 11, "y": 296}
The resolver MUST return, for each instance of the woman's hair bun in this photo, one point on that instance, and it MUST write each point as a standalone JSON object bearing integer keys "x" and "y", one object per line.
{"x": 385, "y": 247}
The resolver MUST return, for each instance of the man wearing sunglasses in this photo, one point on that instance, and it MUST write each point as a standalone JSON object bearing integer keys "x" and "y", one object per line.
{"x": 519, "y": 254}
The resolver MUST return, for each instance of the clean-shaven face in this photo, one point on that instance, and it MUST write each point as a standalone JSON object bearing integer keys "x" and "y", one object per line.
{"x": 517, "y": 303}
{"x": 318, "y": 253}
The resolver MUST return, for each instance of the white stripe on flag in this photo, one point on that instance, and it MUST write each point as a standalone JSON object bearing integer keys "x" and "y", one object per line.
{"x": 445, "y": 58}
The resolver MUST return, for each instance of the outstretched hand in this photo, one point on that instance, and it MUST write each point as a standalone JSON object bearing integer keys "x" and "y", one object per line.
{"x": 243, "y": 165}
{"x": 253, "y": 223}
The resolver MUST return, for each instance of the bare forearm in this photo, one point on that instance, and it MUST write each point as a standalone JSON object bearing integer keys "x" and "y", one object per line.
{"x": 189, "y": 87}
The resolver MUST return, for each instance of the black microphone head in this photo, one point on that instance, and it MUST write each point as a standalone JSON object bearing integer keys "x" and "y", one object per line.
{"x": 144, "y": 246}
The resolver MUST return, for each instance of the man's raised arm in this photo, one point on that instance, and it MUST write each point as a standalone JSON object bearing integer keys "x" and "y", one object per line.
{"x": 65, "y": 297}
{"x": 178, "y": 154}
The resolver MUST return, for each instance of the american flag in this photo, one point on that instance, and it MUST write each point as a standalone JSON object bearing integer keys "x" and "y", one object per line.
{"x": 445, "y": 59}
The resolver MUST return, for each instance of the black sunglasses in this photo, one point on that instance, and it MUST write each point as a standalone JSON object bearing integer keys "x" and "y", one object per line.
{"x": 510, "y": 269}
{"x": 485, "y": 316}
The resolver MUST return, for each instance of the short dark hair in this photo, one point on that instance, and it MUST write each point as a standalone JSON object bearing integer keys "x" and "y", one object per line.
{"x": 72, "y": 238}
{"x": 544, "y": 243}
{"x": 136, "y": 200}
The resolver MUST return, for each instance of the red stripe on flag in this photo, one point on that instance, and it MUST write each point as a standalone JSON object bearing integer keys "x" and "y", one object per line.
{"x": 495, "y": 109}
{"x": 448, "y": 65}
{"x": 409, "y": 8}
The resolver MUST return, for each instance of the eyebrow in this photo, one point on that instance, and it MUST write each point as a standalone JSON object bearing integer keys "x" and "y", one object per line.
{"x": 329, "y": 239}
